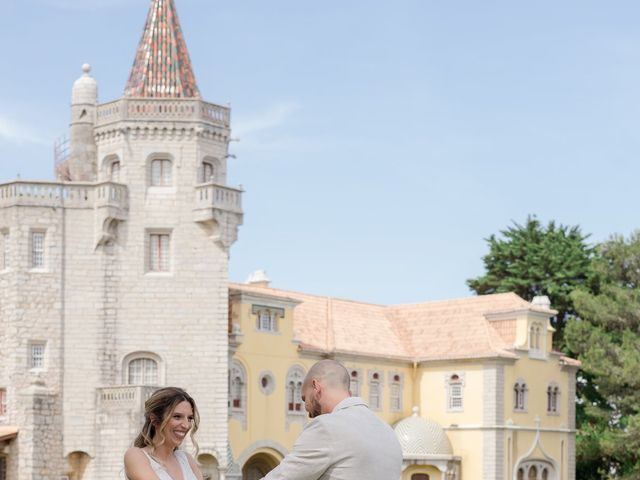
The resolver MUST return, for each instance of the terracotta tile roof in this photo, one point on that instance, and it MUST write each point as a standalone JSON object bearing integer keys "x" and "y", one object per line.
{"x": 162, "y": 67}
{"x": 451, "y": 329}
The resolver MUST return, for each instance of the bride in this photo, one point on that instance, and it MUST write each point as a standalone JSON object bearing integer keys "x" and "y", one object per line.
{"x": 170, "y": 414}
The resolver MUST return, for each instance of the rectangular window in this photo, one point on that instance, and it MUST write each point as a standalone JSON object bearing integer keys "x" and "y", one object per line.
{"x": 161, "y": 173}
{"x": 3, "y": 402}
{"x": 455, "y": 398}
{"x": 159, "y": 252}
{"x": 3, "y": 468}
{"x": 37, "y": 249}
{"x": 36, "y": 355}
{"x": 4, "y": 253}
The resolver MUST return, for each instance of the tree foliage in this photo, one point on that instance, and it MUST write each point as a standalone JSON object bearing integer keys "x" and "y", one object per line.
{"x": 606, "y": 337}
{"x": 532, "y": 259}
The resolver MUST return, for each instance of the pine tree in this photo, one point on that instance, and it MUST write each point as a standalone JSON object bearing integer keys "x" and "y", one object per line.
{"x": 606, "y": 337}
{"x": 534, "y": 260}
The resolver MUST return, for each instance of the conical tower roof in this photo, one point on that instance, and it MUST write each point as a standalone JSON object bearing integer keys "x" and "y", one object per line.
{"x": 162, "y": 67}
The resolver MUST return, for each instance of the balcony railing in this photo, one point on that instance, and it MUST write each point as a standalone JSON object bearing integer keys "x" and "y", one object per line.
{"x": 129, "y": 397}
{"x": 171, "y": 109}
{"x": 68, "y": 195}
{"x": 210, "y": 195}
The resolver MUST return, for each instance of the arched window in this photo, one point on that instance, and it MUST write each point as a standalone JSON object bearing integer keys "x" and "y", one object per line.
{"x": 142, "y": 371}
{"x": 533, "y": 473}
{"x": 553, "y": 391}
{"x": 114, "y": 171}
{"x": 206, "y": 172}
{"x": 520, "y": 396}
{"x": 354, "y": 383}
{"x": 237, "y": 386}
{"x": 521, "y": 474}
{"x": 295, "y": 377}
{"x": 161, "y": 175}
{"x": 455, "y": 386}
{"x": 375, "y": 390}
{"x": 396, "y": 393}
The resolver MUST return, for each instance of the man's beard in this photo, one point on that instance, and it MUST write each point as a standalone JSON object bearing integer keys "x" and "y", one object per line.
{"x": 316, "y": 409}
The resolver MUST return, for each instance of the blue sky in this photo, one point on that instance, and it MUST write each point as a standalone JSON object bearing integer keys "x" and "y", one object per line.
{"x": 380, "y": 142}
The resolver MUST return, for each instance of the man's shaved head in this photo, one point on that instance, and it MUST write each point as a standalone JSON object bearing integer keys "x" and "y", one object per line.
{"x": 331, "y": 373}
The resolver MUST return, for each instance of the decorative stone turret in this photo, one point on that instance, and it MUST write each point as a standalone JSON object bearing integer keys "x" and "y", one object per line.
{"x": 82, "y": 163}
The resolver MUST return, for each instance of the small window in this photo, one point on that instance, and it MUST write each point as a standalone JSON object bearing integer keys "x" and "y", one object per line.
{"x": 419, "y": 476}
{"x": 295, "y": 377}
{"x": 354, "y": 383}
{"x": 37, "y": 249}
{"x": 237, "y": 399}
{"x": 266, "y": 321}
{"x": 375, "y": 391}
{"x": 520, "y": 474}
{"x": 4, "y": 252}
{"x": 36, "y": 355}
{"x": 3, "y": 402}
{"x": 533, "y": 473}
{"x": 114, "y": 173}
{"x": 3, "y": 467}
{"x": 206, "y": 172}
{"x": 143, "y": 371}
{"x": 396, "y": 393}
{"x": 455, "y": 393}
{"x": 553, "y": 393}
{"x": 520, "y": 396}
{"x": 159, "y": 244}
{"x": 161, "y": 173}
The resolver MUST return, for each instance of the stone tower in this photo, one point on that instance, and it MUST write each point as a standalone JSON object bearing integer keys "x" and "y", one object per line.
{"x": 116, "y": 279}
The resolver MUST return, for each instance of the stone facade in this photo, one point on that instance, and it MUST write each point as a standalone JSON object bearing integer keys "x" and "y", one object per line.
{"x": 129, "y": 264}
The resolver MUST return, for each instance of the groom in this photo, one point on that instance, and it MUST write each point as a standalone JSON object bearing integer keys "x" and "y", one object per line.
{"x": 345, "y": 441}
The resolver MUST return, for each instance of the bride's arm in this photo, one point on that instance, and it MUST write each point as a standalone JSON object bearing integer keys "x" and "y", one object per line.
{"x": 136, "y": 465}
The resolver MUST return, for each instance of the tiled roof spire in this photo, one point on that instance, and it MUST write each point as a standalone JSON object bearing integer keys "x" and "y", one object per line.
{"x": 162, "y": 67}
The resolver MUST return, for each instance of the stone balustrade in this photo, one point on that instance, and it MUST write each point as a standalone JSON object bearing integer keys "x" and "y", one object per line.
{"x": 68, "y": 195}
{"x": 212, "y": 196}
{"x": 164, "y": 109}
{"x": 128, "y": 397}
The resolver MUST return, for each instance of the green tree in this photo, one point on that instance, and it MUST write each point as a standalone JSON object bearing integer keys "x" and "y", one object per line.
{"x": 606, "y": 337}
{"x": 532, "y": 260}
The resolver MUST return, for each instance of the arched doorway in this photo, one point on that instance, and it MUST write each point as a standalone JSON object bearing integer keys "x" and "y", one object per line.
{"x": 258, "y": 465}
{"x": 78, "y": 462}
{"x": 209, "y": 466}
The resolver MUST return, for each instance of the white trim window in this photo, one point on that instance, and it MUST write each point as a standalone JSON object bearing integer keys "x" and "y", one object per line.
{"x": 161, "y": 172}
{"x": 159, "y": 252}
{"x": 38, "y": 238}
{"x": 3, "y": 402}
{"x": 354, "y": 383}
{"x": 37, "y": 352}
{"x": 553, "y": 394}
{"x": 396, "y": 393}
{"x": 455, "y": 392}
{"x": 375, "y": 390}
{"x": 237, "y": 387}
{"x": 142, "y": 371}
{"x": 520, "y": 391}
{"x": 4, "y": 264}
{"x": 266, "y": 321}
{"x": 295, "y": 377}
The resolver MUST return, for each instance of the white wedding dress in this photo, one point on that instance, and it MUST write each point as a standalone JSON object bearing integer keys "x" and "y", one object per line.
{"x": 183, "y": 461}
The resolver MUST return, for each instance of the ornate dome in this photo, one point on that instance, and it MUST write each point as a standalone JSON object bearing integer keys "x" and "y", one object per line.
{"x": 85, "y": 89}
{"x": 419, "y": 436}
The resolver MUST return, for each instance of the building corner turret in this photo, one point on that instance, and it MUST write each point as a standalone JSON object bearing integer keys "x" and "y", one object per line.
{"x": 82, "y": 163}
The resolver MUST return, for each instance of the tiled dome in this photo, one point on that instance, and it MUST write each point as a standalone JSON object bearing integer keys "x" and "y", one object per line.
{"x": 419, "y": 436}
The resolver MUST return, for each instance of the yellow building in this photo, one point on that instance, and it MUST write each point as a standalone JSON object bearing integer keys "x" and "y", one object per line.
{"x": 471, "y": 386}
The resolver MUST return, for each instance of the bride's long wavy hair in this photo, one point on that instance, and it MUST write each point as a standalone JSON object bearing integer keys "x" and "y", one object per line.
{"x": 157, "y": 413}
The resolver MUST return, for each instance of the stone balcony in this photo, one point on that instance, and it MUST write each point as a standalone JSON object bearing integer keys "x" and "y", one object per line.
{"x": 218, "y": 209}
{"x": 162, "y": 109}
{"x": 124, "y": 398}
{"x": 60, "y": 194}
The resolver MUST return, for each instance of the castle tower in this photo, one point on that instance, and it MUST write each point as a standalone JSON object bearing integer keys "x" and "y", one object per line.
{"x": 84, "y": 98}
{"x": 116, "y": 283}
